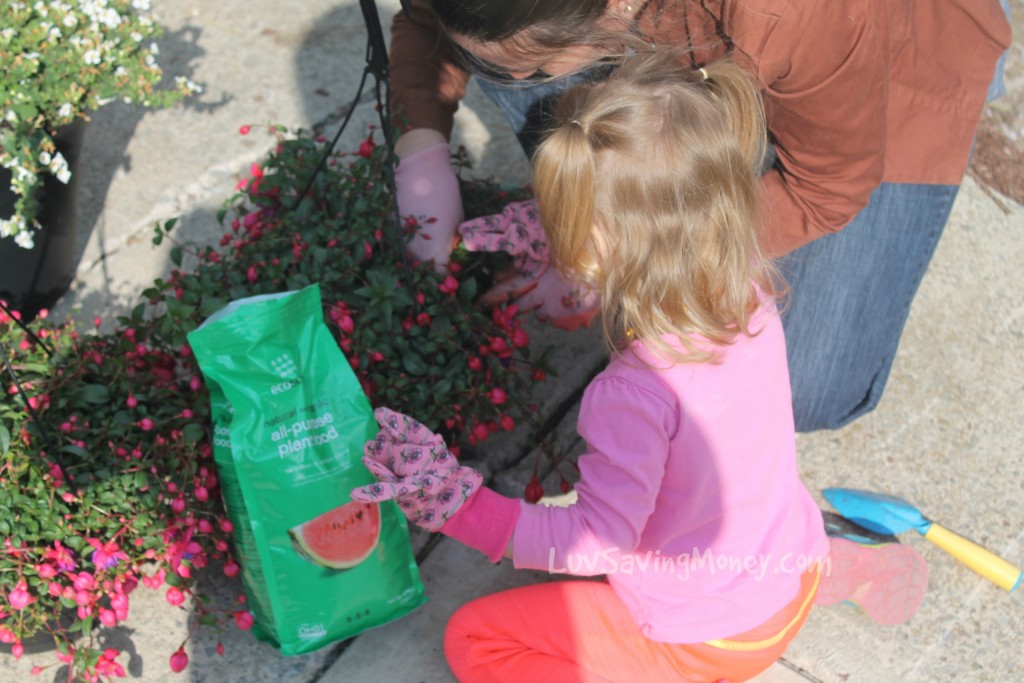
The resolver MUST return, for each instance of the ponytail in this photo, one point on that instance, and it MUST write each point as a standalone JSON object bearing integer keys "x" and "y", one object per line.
{"x": 564, "y": 171}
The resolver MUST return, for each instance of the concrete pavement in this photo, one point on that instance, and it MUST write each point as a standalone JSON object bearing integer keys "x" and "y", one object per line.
{"x": 948, "y": 434}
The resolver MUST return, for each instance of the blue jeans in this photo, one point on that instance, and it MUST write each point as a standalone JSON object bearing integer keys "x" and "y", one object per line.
{"x": 850, "y": 291}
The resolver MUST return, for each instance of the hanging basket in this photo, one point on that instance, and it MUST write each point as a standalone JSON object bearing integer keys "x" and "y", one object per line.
{"x": 33, "y": 279}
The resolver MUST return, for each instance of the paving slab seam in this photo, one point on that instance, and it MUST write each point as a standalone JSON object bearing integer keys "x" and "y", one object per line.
{"x": 799, "y": 670}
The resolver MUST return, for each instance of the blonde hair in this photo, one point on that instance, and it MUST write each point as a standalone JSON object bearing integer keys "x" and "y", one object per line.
{"x": 648, "y": 192}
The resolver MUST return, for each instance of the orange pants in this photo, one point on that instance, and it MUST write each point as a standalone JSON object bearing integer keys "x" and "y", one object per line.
{"x": 580, "y": 632}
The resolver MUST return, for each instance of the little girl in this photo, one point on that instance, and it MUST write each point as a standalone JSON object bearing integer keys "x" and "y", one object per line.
{"x": 689, "y": 501}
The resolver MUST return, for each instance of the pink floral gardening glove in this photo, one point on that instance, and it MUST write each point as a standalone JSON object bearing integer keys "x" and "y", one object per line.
{"x": 517, "y": 231}
{"x": 427, "y": 191}
{"x": 414, "y": 466}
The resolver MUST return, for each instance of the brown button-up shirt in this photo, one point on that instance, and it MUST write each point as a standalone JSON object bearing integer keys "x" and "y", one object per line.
{"x": 857, "y": 92}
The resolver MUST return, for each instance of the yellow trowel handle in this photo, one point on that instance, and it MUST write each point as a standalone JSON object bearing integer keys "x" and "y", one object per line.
{"x": 989, "y": 565}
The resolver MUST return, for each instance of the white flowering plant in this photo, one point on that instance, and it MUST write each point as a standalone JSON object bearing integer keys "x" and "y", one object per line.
{"x": 62, "y": 59}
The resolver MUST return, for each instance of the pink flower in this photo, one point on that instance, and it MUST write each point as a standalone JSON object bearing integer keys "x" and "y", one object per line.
{"x": 174, "y": 596}
{"x": 520, "y": 338}
{"x": 366, "y": 147}
{"x": 20, "y": 598}
{"x": 480, "y": 431}
{"x": 534, "y": 490}
{"x": 450, "y": 285}
{"x": 146, "y": 424}
{"x": 244, "y": 130}
{"x": 106, "y": 555}
{"x": 244, "y": 620}
{"x": 84, "y": 582}
{"x": 231, "y": 568}
{"x": 179, "y": 660}
{"x": 497, "y": 396}
{"x": 17, "y": 650}
{"x": 107, "y": 666}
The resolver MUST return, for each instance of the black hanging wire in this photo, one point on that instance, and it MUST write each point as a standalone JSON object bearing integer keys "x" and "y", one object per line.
{"x": 377, "y": 66}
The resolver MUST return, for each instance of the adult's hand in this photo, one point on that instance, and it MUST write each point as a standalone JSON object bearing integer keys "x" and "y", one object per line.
{"x": 428, "y": 192}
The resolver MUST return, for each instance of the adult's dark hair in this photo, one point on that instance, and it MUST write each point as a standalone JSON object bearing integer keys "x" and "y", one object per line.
{"x": 494, "y": 20}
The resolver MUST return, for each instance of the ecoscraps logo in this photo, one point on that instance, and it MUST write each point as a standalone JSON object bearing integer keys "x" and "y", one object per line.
{"x": 285, "y": 368}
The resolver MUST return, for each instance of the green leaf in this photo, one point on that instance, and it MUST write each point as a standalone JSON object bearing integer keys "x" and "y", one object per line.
{"x": 95, "y": 393}
{"x": 211, "y": 305}
{"x": 413, "y": 364}
{"x": 193, "y": 432}
{"x": 75, "y": 450}
{"x": 5, "y": 439}
{"x": 467, "y": 291}
{"x": 176, "y": 255}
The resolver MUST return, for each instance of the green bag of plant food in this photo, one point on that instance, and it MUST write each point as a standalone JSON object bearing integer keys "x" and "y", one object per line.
{"x": 290, "y": 421}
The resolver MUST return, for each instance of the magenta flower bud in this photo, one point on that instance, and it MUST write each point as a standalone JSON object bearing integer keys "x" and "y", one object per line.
{"x": 84, "y": 581}
{"x": 19, "y": 598}
{"x": 179, "y": 660}
{"x": 244, "y": 620}
{"x": 174, "y": 596}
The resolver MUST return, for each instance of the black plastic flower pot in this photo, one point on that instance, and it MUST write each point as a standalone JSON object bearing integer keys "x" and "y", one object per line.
{"x": 33, "y": 279}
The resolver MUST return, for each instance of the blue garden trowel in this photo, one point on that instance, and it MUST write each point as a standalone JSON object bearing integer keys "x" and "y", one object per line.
{"x": 890, "y": 515}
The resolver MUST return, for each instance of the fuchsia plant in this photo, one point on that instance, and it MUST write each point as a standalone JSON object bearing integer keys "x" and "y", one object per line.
{"x": 115, "y": 486}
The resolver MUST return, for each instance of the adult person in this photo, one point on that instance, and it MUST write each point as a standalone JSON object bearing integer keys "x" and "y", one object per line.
{"x": 871, "y": 108}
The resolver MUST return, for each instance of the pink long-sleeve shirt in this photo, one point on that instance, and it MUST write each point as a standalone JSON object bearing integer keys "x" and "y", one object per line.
{"x": 689, "y": 497}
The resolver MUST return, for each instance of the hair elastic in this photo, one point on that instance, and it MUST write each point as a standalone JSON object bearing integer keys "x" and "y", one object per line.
{"x": 703, "y": 73}
{"x": 575, "y": 121}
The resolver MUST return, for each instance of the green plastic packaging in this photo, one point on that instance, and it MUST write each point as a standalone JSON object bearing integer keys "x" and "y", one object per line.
{"x": 290, "y": 421}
